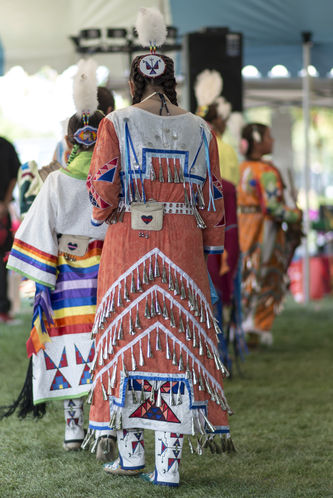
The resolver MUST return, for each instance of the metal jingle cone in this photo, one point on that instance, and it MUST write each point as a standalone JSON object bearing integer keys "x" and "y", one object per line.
{"x": 171, "y": 286}
{"x": 158, "y": 402}
{"x": 149, "y": 353}
{"x": 133, "y": 360}
{"x": 113, "y": 420}
{"x": 209, "y": 425}
{"x": 90, "y": 396}
{"x": 182, "y": 290}
{"x": 158, "y": 342}
{"x": 119, "y": 301}
{"x": 192, "y": 427}
{"x": 172, "y": 318}
{"x": 176, "y": 175}
{"x": 156, "y": 268}
{"x": 176, "y": 289}
{"x": 152, "y": 395}
{"x": 181, "y": 174}
{"x": 202, "y": 314}
{"x": 137, "y": 195}
{"x": 201, "y": 350}
{"x": 134, "y": 398}
{"x": 125, "y": 373}
{"x": 186, "y": 199}
{"x": 87, "y": 439}
{"x": 165, "y": 313}
{"x": 201, "y": 429}
{"x": 222, "y": 403}
{"x": 152, "y": 308}
{"x": 138, "y": 281}
{"x": 190, "y": 445}
{"x": 198, "y": 449}
{"x": 201, "y": 384}
{"x": 142, "y": 395}
{"x": 150, "y": 271}
{"x": 121, "y": 214}
{"x": 216, "y": 396}
{"x": 147, "y": 312}
{"x": 208, "y": 322}
{"x": 126, "y": 296}
{"x": 160, "y": 173}
{"x": 196, "y": 305}
{"x": 105, "y": 396}
{"x": 137, "y": 319}
{"x": 194, "y": 377}
{"x": 167, "y": 349}
{"x": 157, "y": 305}
{"x": 120, "y": 336}
{"x": 200, "y": 222}
{"x": 164, "y": 275}
{"x": 94, "y": 446}
{"x": 141, "y": 358}
{"x": 169, "y": 173}
{"x": 190, "y": 298}
{"x": 171, "y": 396}
{"x": 119, "y": 422}
{"x": 207, "y": 386}
{"x": 131, "y": 325}
{"x": 209, "y": 354}
{"x": 201, "y": 200}
{"x": 181, "y": 327}
{"x": 174, "y": 356}
{"x": 188, "y": 334}
{"x": 112, "y": 305}
{"x": 144, "y": 275}
{"x": 110, "y": 350}
{"x": 133, "y": 288}
{"x": 114, "y": 338}
{"x": 194, "y": 338}
{"x": 113, "y": 377}
{"x": 179, "y": 395}
{"x": 93, "y": 363}
{"x": 100, "y": 361}
{"x": 105, "y": 354}
{"x": 217, "y": 365}
{"x": 180, "y": 363}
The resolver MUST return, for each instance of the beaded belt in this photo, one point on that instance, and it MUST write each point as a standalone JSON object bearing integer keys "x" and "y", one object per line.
{"x": 169, "y": 208}
{"x": 249, "y": 209}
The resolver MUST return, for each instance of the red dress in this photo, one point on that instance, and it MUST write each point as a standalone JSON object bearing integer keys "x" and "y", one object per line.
{"x": 156, "y": 363}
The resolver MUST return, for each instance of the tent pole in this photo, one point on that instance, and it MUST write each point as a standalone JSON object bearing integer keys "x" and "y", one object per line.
{"x": 306, "y": 118}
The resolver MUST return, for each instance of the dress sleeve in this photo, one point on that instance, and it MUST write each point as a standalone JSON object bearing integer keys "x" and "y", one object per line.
{"x": 34, "y": 252}
{"x": 271, "y": 198}
{"x": 103, "y": 180}
{"x": 213, "y": 214}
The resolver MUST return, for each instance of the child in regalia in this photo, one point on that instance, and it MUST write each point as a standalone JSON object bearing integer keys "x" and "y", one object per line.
{"x": 58, "y": 248}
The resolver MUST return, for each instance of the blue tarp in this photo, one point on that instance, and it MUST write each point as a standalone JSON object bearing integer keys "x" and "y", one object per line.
{"x": 271, "y": 28}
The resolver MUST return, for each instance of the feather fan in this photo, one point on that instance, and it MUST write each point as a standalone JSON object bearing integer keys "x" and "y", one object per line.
{"x": 208, "y": 87}
{"x": 85, "y": 87}
{"x": 150, "y": 27}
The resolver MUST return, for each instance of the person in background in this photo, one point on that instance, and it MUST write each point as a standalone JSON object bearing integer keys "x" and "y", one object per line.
{"x": 263, "y": 219}
{"x": 223, "y": 268}
{"x": 58, "y": 248}
{"x": 9, "y": 166}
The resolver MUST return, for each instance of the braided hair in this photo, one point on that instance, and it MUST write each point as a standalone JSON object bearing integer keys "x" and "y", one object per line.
{"x": 166, "y": 81}
{"x": 248, "y": 133}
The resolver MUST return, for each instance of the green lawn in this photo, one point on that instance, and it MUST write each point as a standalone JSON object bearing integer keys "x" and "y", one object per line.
{"x": 282, "y": 427}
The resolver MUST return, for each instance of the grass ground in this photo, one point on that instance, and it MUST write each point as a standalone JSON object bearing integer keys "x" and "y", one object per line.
{"x": 282, "y": 427}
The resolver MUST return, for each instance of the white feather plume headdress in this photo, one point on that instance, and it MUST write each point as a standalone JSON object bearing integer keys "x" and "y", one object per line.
{"x": 85, "y": 87}
{"x": 223, "y": 107}
{"x": 208, "y": 87}
{"x": 150, "y": 27}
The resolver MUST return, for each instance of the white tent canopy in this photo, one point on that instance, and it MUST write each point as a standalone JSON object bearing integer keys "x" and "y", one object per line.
{"x": 36, "y": 33}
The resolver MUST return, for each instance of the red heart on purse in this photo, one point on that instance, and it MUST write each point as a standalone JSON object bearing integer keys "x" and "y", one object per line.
{"x": 72, "y": 246}
{"x": 146, "y": 219}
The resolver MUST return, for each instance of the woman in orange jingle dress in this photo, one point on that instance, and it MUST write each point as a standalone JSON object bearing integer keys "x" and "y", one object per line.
{"x": 157, "y": 365}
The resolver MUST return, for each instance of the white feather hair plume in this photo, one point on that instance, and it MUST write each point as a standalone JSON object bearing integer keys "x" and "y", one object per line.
{"x": 85, "y": 87}
{"x": 223, "y": 107}
{"x": 150, "y": 27}
{"x": 208, "y": 87}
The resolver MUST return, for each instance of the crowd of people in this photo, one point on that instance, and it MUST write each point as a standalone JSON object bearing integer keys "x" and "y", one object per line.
{"x": 118, "y": 233}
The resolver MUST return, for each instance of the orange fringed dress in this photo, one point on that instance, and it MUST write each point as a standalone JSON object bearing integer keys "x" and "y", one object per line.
{"x": 265, "y": 255}
{"x": 157, "y": 365}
